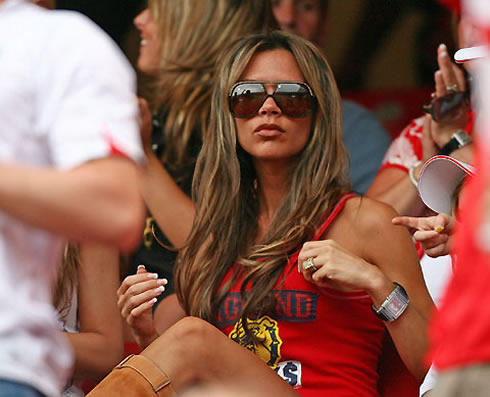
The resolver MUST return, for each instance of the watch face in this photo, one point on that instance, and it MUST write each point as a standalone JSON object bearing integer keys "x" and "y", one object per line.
{"x": 394, "y": 305}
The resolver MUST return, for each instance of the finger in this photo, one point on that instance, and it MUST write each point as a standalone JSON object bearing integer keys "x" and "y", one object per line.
{"x": 307, "y": 276}
{"x": 140, "y": 299}
{"x": 446, "y": 67}
{"x": 419, "y": 223}
{"x": 139, "y": 288}
{"x": 425, "y": 235}
{"x": 141, "y": 309}
{"x": 440, "y": 223}
{"x": 437, "y": 251}
{"x": 407, "y": 221}
{"x": 440, "y": 85}
{"x": 313, "y": 249}
{"x": 321, "y": 275}
{"x": 141, "y": 269}
{"x": 441, "y": 239}
{"x": 134, "y": 279}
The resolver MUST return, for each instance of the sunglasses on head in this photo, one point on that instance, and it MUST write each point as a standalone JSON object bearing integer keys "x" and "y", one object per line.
{"x": 448, "y": 107}
{"x": 293, "y": 98}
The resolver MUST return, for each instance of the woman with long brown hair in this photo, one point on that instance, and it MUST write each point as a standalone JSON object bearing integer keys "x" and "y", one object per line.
{"x": 281, "y": 257}
{"x": 180, "y": 44}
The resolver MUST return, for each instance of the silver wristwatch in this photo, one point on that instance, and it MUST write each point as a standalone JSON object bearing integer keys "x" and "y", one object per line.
{"x": 394, "y": 305}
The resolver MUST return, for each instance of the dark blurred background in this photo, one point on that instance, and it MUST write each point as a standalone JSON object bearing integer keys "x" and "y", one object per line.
{"x": 383, "y": 52}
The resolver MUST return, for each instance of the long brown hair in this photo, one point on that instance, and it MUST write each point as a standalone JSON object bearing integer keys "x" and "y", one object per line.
{"x": 225, "y": 189}
{"x": 66, "y": 279}
{"x": 192, "y": 34}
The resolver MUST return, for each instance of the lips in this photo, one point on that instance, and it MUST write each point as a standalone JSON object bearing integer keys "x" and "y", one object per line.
{"x": 269, "y": 130}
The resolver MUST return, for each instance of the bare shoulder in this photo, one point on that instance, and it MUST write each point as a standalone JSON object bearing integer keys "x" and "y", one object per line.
{"x": 368, "y": 215}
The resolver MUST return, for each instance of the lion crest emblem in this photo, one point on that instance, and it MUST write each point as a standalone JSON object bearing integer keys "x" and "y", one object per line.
{"x": 266, "y": 332}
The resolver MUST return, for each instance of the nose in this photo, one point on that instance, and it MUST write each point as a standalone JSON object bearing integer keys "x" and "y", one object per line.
{"x": 285, "y": 14}
{"x": 270, "y": 107}
{"x": 141, "y": 18}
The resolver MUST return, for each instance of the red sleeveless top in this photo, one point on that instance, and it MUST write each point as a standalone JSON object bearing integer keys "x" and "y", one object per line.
{"x": 323, "y": 342}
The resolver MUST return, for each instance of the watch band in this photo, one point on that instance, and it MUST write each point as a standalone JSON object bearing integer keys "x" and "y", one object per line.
{"x": 394, "y": 305}
{"x": 458, "y": 140}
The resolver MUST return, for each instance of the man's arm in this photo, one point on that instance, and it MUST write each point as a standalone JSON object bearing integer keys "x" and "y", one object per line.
{"x": 96, "y": 201}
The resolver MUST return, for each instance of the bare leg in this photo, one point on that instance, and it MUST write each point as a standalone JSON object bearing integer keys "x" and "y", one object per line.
{"x": 194, "y": 352}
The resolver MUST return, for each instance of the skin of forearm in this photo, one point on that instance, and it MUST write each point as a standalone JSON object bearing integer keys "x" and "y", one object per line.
{"x": 172, "y": 209}
{"x": 464, "y": 154}
{"x": 95, "y": 354}
{"x": 411, "y": 344}
{"x": 88, "y": 203}
{"x": 404, "y": 329}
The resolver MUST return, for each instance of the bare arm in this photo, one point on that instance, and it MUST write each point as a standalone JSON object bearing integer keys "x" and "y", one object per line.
{"x": 172, "y": 209}
{"x": 374, "y": 267}
{"x": 99, "y": 344}
{"x": 97, "y": 201}
{"x": 398, "y": 262}
{"x": 393, "y": 186}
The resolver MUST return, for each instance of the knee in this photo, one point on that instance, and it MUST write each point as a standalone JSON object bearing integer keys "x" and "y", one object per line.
{"x": 189, "y": 344}
{"x": 195, "y": 334}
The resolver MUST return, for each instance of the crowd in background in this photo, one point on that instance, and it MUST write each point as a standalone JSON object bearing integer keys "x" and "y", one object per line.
{"x": 202, "y": 190}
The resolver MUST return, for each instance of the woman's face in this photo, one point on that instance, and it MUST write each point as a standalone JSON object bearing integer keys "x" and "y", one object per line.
{"x": 149, "y": 52}
{"x": 270, "y": 134}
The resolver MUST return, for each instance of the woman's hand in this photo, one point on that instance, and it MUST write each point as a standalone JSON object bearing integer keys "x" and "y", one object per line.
{"x": 449, "y": 78}
{"x": 136, "y": 297}
{"x": 145, "y": 124}
{"x": 335, "y": 265}
{"x": 433, "y": 232}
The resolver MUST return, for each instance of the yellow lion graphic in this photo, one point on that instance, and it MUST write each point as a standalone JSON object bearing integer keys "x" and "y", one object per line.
{"x": 266, "y": 331}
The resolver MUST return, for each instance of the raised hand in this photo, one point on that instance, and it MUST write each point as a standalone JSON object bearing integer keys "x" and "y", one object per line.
{"x": 136, "y": 297}
{"x": 449, "y": 78}
{"x": 433, "y": 232}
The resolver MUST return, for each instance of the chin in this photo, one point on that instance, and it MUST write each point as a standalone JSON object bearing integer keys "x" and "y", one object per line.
{"x": 147, "y": 68}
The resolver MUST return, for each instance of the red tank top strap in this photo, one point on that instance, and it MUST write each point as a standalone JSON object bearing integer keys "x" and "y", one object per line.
{"x": 338, "y": 207}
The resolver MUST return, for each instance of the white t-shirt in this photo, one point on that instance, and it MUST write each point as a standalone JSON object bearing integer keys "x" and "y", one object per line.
{"x": 66, "y": 94}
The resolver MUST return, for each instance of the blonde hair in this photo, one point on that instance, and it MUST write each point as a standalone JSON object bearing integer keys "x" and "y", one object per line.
{"x": 192, "y": 34}
{"x": 225, "y": 189}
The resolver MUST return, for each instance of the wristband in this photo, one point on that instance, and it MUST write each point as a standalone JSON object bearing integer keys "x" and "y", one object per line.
{"x": 411, "y": 175}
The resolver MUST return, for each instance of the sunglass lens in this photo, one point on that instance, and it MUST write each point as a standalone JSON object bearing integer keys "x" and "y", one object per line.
{"x": 246, "y": 99}
{"x": 448, "y": 104}
{"x": 447, "y": 107}
{"x": 294, "y": 100}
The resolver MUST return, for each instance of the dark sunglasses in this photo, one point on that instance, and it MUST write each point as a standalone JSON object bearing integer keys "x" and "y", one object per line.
{"x": 448, "y": 107}
{"x": 293, "y": 98}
